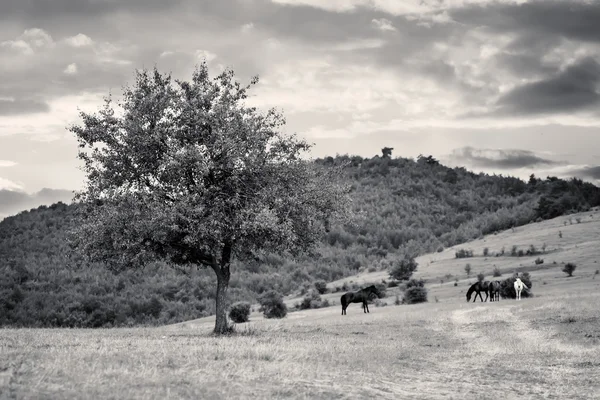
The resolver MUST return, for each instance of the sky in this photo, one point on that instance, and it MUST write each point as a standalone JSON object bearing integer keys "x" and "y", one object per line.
{"x": 509, "y": 87}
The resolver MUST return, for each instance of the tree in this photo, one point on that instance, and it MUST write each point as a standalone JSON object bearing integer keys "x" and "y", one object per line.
{"x": 468, "y": 269}
{"x": 403, "y": 269}
{"x": 189, "y": 174}
{"x": 569, "y": 268}
{"x": 387, "y": 152}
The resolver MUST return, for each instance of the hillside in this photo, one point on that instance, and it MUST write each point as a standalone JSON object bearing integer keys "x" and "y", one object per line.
{"x": 403, "y": 207}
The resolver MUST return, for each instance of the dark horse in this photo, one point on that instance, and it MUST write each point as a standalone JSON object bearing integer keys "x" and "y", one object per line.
{"x": 494, "y": 290}
{"x": 358, "y": 297}
{"x": 478, "y": 287}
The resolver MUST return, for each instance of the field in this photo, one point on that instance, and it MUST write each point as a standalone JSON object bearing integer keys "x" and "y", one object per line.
{"x": 547, "y": 346}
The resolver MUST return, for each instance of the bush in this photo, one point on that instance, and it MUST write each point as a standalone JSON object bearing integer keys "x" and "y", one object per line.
{"x": 462, "y": 253}
{"x": 272, "y": 305}
{"x": 321, "y": 286}
{"x": 381, "y": 288}
{"x": 240, "y": 312}
{"x": 468, "y": 269}
{"x": 480, "y": 277}
{"x": 403, "y": 269}
{"x": 538, "y": 261}
{"x": 497, "y": 272}
{"x": 312, "y": 300}
{"x": 486, "y": 251}
{"x": 507, "y": 288}
{"x": 569, "y": 268}
{"x": 415, "y": 294}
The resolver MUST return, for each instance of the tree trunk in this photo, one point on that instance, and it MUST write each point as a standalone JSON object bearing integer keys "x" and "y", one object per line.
{"x": 221, "y": 326}
{"x": 223, "y": 274}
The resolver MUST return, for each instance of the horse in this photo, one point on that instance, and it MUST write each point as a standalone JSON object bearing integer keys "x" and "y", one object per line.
{"x": 519, "y": 285}
{"x": 358, "y": 297}
{"x": 494, "y": 290}
{"x": 478, "y": 287}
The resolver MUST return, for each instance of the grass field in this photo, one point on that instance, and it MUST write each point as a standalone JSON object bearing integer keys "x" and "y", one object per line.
{"x": 544, "y": 347}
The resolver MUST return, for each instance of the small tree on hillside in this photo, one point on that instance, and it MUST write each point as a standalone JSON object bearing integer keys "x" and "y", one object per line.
{"x": 403, "y": 269}
{"x": 468, "y": 269}
{"x": 189, "y": 174}
{"x": 569, "y": 268}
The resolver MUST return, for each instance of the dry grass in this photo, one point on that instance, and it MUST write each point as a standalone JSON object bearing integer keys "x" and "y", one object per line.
{"x": 509, "y": 349}
{"x": 544, "y": 347}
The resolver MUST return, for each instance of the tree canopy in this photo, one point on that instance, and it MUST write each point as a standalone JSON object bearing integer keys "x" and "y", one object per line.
{"x": 188, "y": 173}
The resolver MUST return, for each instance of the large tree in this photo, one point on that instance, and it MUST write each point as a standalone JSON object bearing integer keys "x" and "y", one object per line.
{"x": 188, "y": 173}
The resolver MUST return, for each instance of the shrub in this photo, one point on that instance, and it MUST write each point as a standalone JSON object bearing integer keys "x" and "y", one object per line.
{"x": 569, "y": 268}
{"x": 462, "y": 253}
{"x": 321, "y": 286}
{"x": 497, "y": 272}
{"x": 415, "y": 294}
{"x": 468, "y": 269}
{"x": 486, "y": 251}
{"x": 538, "y": 261}
{"x": 380, "y": 290}
{"x": 507, "y": 288}
{"x": 480, "y": 277}
{"x": 311, "y": 300}
{"x": 403, "y": 269}
{"x": 272, "y": 305}
{"x": 513, "y": 251}
{"x": 240, "y": 312}
{"x": 392, "y": 284}
{"x": 560, "y": 234}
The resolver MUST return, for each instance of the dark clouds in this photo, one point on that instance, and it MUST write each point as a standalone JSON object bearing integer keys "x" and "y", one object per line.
{"x": 12, "y": 202}
{"x": 572, "y": 19}
{"x": 572, "y": 89}
{"x": 19, "y": 106}
{"x": 588, "y": 172}
{"x": 499, "y": 158}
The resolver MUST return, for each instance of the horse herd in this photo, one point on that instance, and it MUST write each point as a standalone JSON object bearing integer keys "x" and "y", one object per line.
{"x": 490, "y": 288}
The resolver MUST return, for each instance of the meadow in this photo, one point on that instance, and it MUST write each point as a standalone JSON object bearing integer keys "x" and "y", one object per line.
{"x": 546, "y": 347}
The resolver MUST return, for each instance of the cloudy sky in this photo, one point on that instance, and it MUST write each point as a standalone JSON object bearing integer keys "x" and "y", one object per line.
{"x": 507, "y": 86}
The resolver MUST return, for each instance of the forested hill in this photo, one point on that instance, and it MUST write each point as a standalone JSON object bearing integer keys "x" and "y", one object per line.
{"x": 403, "y": 207}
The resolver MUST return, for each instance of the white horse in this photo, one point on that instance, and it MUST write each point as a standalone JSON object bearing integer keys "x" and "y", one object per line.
{"x": 519, "y": 285}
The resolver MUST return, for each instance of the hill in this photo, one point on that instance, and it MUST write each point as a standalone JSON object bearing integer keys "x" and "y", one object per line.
{"x": 541, "y": 347}
{"x": 404, "y": 208}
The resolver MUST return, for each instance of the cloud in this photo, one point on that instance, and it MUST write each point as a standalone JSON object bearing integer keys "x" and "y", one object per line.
{"x": 7, "y": 163}
{"x": 574, "y": 88}
{"x": 588, "y": 172}
{"x": 205, "y": 54}
{"x": 79, "y": 40}
{"x": 383, "y": 24}
{"x": 22, "y": 106}
{"x": 13, "y": 200}
{"x": 499, "y": 158}
{"x": 71, "y": 69}
{"x": 571, "y": 19}
{"x": 8, "y": 185}
{"x": 247, "y": 27}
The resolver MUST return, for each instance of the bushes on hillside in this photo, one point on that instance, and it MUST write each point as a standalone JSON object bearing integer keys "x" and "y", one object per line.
{"x": 272, "y": 305}
{"x": 415, "y": 292}
{"x": 321, "y": 286}
{"x": 569, "y": 268}
{"x": 240, "y": 312}
{"x": 462, "y": 253}
{"x": 403, "y": 269}
{"x": 312, "y": 300}
{"x": 507, "y": 288}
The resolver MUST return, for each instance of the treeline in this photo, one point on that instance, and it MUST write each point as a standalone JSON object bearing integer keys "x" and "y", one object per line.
{"x": 403, "y": 208}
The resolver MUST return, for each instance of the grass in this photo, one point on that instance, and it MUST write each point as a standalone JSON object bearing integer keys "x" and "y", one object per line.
{"x": 436, "y": 350}
{"x": 544, "y": 347}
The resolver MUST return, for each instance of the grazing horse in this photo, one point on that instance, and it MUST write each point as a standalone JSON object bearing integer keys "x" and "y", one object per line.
{"x": 358, "y": 297}
{"x": 478, "y": 287}
{"x": 519, "y": 285}
{"x": 494, "y": 290}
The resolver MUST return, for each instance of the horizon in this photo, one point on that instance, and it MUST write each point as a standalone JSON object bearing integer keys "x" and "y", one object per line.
{"x": 506, "y": 87}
